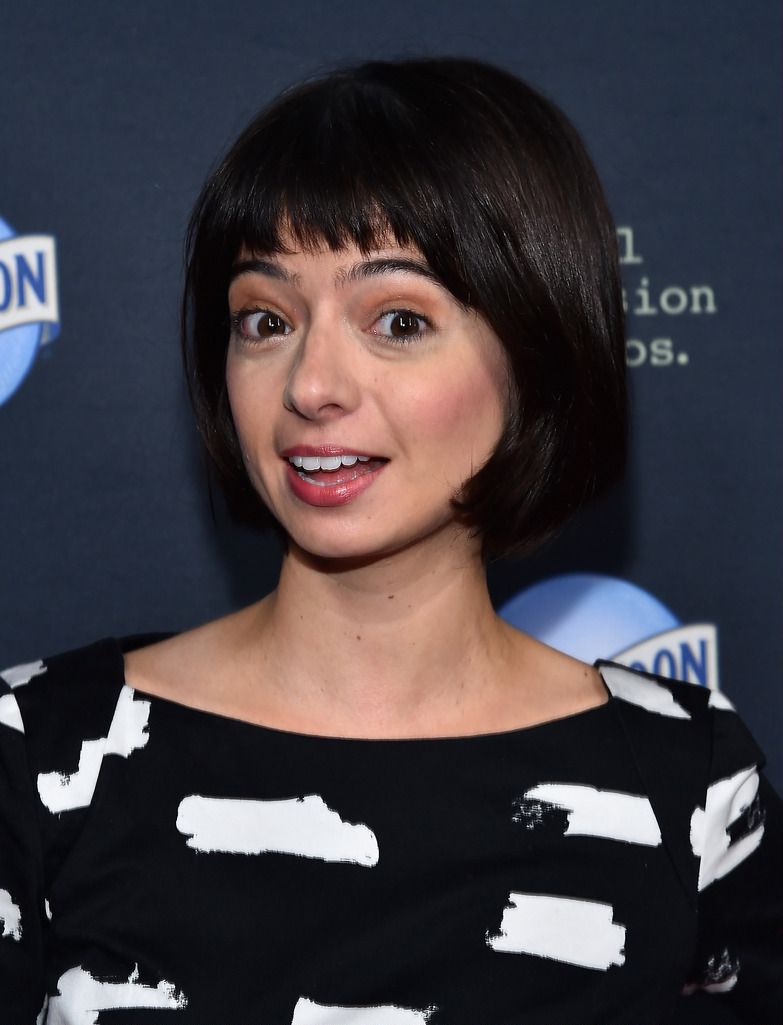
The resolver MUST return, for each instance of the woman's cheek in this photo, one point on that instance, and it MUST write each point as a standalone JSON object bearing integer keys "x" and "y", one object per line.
{"x": 469, "y": 409}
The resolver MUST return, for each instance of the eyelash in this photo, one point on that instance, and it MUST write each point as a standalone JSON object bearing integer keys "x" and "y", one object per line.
{"x": 237, "y": 318}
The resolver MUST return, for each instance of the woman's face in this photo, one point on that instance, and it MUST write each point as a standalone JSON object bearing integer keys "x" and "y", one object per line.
{"x": 363, "y": 396}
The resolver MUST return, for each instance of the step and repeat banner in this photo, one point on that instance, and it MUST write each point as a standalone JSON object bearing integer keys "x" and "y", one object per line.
{"x": 112, "y": 115}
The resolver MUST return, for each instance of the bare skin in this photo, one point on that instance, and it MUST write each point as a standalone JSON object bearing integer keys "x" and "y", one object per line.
{"x": 339, "y": 657}
{"x": 381, "y": 625}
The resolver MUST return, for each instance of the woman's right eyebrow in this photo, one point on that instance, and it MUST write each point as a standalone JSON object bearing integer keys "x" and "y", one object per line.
{"x": 265, "y": 267}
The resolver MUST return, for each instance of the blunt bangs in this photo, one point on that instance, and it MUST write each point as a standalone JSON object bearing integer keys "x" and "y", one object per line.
{"x": 491, "y": 183}
{"x": 338, "y": 162}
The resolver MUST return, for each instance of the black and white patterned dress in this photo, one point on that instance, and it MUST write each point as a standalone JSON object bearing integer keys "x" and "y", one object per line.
{"x": 160, "y": 864}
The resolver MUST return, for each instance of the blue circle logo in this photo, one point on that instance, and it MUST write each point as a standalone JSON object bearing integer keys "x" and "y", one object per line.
{"x": 29, "y": 311}
{"x": 591, "y": 616}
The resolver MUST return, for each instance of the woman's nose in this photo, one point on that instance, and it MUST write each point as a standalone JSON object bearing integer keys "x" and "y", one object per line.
{"x": 321, "y": 383}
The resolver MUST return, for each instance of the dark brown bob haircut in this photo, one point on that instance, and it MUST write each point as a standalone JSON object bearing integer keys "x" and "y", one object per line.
{"x": 492, "y": 184}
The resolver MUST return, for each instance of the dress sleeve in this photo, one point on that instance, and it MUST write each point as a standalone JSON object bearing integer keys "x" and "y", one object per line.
{"x": 22, "y": 915}
{"x": 738, "y": 837}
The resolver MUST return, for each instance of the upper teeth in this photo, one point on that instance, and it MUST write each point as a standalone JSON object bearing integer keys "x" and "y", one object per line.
{"x": 325, "y": 462}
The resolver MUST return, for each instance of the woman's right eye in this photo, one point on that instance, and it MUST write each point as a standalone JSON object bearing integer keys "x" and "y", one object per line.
{"x": 259, "y": 325}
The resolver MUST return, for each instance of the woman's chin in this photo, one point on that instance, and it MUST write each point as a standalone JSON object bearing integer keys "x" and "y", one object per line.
{"x": 343, "y": 553}
{"x": 357, "y": 550}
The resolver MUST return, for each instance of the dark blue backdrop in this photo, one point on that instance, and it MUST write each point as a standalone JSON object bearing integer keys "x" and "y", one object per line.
{"x": 111, "y": 117}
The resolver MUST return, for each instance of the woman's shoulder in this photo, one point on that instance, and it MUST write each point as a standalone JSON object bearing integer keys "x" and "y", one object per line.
{"x": 61, "y": 676}
{"x": 62, "y": 699}
{"x": 658, "y": 710}
{"x": 68, "y": 673}
{"x": 692, "y": 747}
{"x": 102, "y": 657}
{"x": 660, "y": 695}
{"x": 59, "y": 717}
{"x": 164, "y": 664}
{"x": 201, "y": 667}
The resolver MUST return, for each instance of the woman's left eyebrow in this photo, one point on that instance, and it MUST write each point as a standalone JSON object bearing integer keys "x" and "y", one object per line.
{"x": 387, "y": 265}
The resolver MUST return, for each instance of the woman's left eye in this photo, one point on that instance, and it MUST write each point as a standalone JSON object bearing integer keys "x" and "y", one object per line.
{"x": 401, "y": 325}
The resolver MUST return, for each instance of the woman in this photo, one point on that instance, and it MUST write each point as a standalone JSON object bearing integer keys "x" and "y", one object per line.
{"x": 366, "y": 798}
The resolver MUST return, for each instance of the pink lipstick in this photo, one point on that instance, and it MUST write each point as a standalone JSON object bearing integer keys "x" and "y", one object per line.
{"x": 326, "y": 476}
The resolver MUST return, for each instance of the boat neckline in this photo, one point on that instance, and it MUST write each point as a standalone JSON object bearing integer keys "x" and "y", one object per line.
{"x": 235, "y": 721}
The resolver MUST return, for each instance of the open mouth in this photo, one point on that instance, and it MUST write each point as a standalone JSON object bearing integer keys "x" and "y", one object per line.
{"x": 333, "y": 470}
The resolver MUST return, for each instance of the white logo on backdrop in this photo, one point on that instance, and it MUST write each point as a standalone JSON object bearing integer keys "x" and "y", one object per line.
{"x": 655, "y": 310}
{"x": 29, "y": 309}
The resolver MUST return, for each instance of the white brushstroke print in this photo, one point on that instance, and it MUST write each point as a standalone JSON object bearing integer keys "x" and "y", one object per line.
{"x": 719, "y": 700}
{"x": 81, "y": 997}
{"x": 307, "y": 1012}
{"x": 62, "y": 791}
{"x": 641, "y": 691}
{"x": 726, "y": 802}
{"x": 10, "y": 916}
{"x": 301, "y": 825}
{"x": 10, "y": 714}
{"x": 601, "y": 813}
{"x": 578, "y": 932}
{"x": 17, "y": 676}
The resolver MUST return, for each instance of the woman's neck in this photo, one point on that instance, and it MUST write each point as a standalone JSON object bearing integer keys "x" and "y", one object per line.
{"x": 398, "y": 641}
{"x": 406, "y": 646}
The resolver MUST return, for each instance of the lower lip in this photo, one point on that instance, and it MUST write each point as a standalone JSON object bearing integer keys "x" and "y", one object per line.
{"x": 329, "y": 495}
